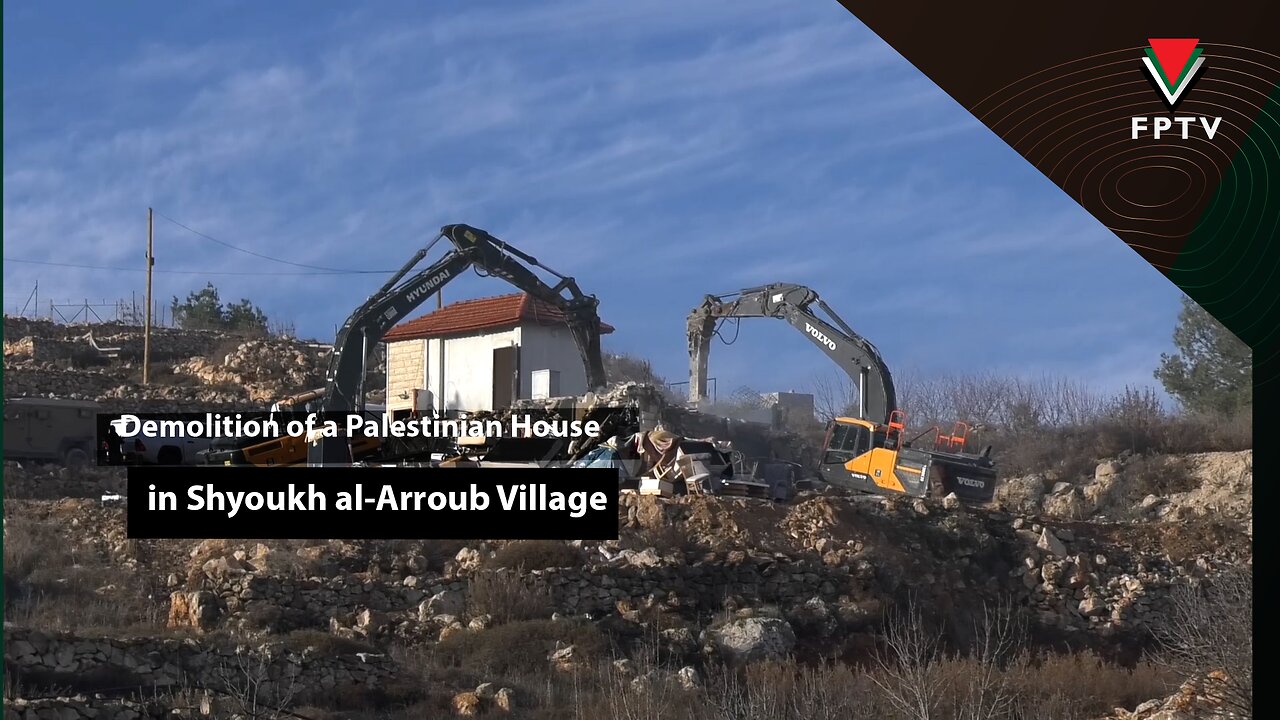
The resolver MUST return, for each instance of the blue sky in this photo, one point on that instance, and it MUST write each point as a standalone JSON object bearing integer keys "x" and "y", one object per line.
{"x": 656, "y": 151}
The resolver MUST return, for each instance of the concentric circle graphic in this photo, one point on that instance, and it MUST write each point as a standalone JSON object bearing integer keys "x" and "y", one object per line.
{"x": 1201, "y": 202}
{"x": 1076, "y": 122}
{"x": 1062, "y": 87}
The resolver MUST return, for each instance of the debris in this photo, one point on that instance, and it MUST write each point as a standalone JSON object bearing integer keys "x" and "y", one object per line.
{"x": 1050, "y": 543}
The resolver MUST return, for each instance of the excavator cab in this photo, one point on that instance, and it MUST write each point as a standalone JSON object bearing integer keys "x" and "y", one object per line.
{"x": 868, "y": 457}
{"x": 865, "y": 456}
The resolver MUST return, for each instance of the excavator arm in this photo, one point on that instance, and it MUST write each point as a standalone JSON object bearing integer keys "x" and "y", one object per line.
{"x": 580, "y": 310}
{"x": 794, "y": 303}
{"x": 399, "y": 296}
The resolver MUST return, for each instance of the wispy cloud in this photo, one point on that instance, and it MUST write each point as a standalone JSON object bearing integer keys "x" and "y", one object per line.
{"x": 656, "y": 151}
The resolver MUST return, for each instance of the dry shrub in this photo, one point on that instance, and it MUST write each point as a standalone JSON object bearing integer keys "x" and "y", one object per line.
{"x": 325, "y": 643}
{"x": 1160, "y": 475}
{"x": 786, "y": 691}
{"x": 506, "y": 597}
{"x": 342, "y": 699}
{"x": 1085, "y": 682}
{"x": 520, "y": 645}
{"x": 1209, "y": 631}
{"x": 55, "y": 585}
{"x": 1053, "y": 423}
{"x": 997, "y": 677}
{"x": 535, "y": 555}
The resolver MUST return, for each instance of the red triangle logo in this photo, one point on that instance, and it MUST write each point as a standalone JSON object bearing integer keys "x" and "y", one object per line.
{"x": 1173, "y": 54}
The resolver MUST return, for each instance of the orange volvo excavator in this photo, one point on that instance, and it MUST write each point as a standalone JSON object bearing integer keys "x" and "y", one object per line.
{"x": 868, "y": 453}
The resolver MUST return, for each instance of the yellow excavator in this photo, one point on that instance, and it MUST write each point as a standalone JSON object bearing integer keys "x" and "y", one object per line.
{"x": 868, "y": 453}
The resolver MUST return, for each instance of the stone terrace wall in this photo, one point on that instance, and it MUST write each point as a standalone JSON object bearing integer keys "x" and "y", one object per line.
{"x": 166, "y": 662}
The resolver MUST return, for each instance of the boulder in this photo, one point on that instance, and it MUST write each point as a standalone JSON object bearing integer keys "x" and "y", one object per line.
{"x": 1093, "y": 606}
{"x": 199, "y": 610}
{"x": 1021, "y": 494}
{"x": 445, "y": 602}
{"x": 757, "y": 638}
{"x": 466, "y": 704}
{"x": 814, "y": 617}
{"x": 1106, "y": 469}
{"x": 1051, "y": 544}
{"x": 505, "y": 700}
{"x": 368, "y": 620}
{"x": 679, "y": 641}
{"x": 467, "y": 558}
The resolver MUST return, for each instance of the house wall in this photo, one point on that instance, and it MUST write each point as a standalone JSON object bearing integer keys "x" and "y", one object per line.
{"x": 405, "y": 372}
{"x": 467, "y": 382}
{"x": 467, "y": 379}
{"x": 551, "y": 347}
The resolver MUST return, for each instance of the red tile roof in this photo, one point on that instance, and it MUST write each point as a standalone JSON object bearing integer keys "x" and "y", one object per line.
{"x": 474, "y": 316}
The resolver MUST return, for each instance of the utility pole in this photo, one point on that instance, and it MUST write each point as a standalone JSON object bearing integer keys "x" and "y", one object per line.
{"x": 146, "y": 334}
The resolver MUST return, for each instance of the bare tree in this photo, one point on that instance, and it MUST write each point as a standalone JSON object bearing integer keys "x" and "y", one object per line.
{"x": 987, "y": 691}
{"x": 910, "y": 676}
{"x": 247, "y": 681}
{"x": 1209, "y": 633}
{"x": 651, "y": 692}
{"x": 831, "y": 693}
{"x": 758, "y": 692}
{"x": 834, "y": 394}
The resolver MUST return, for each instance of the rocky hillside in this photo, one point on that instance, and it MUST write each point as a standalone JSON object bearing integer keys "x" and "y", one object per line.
{"x": 191, "y": 370}
{"x": 692, "y": 587}
{"x": 1065, "y": 599}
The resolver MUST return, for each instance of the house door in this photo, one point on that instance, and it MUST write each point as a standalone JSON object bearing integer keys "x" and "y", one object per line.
{"x": 506, "y": 376}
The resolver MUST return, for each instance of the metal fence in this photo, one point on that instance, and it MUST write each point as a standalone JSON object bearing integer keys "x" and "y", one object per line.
{"x": 87, "y": 311}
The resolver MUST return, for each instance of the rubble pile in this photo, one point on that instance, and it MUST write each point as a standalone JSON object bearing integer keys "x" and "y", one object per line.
{"x": 656, "y": 410}
{"x": 192, "y": 370}
{"x": 265, "y": 369}
{"x": 1090, "y": 563}
{"x": 1162, "y": 488}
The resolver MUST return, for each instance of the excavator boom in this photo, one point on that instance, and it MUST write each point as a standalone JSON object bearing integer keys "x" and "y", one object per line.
{"x": 402, "y": 293}
{"x": 794, "y": 303}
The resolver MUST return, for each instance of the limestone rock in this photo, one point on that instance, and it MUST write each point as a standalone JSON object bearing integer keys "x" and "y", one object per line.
{"x": 757, "y": 638}
{"x": 466, "y": 704}
{"x": 1051, "y": 544}
{"x": 505, "y": 700}
{"x": 197, "y": 610}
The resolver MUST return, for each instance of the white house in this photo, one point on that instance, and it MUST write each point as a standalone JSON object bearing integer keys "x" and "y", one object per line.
{"x": 480, "y": 354}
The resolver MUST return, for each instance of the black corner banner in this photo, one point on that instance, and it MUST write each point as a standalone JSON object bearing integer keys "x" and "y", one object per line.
{"x": 373, "y": 503}
{"x": 1160, "y": 119}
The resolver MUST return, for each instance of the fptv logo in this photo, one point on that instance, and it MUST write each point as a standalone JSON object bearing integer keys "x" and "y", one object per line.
{"x": 1173, "y": 65}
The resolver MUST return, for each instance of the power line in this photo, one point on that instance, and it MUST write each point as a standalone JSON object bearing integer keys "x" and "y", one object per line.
{"x": 189, "y": 272}
{"x": 265, "y": 257}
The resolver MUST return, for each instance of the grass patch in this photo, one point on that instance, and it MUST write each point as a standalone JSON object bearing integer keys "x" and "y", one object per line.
{"x": 506, "y": 597}
{"x": 535, "y": 555}
{"x": 520, "y": 645}
{"x": 325, "y": 643}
